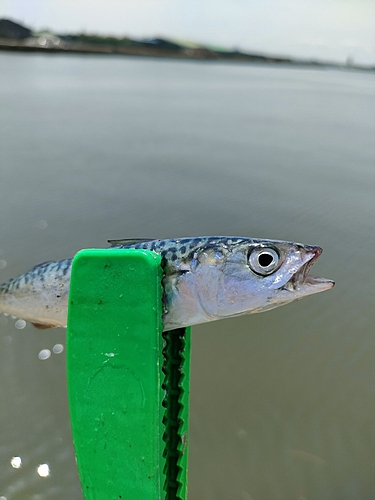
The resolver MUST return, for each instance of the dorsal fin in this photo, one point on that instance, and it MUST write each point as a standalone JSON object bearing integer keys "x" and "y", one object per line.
{"x": 128, "y": 242}
{"x": 41, "y": 326}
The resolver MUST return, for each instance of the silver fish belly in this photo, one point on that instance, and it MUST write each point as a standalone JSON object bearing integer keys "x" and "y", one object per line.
{"x": 205, "y": 279}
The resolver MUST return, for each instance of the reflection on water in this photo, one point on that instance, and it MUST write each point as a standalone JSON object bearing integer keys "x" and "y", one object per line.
{"x": 57, "y": 349}
{"x": 16, "y": 462}
{"x": 92, "y": 148}
{"x": 43, "y": 470}
{"x": 44, "y": 354}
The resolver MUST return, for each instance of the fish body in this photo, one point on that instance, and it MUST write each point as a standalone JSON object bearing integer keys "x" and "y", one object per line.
{"x": 205, "y": 279}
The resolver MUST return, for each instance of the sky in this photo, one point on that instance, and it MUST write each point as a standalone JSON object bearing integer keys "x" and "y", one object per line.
{"x": 330, "y": 30}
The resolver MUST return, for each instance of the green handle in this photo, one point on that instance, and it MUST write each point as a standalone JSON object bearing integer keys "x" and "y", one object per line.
{"x": 128, "y": 383}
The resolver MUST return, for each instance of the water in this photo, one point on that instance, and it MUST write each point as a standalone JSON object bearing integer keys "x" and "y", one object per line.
{"x": 92, "y": 148}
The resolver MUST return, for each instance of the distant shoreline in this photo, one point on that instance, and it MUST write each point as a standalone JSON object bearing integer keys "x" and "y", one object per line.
{"x": 28, "y": 45}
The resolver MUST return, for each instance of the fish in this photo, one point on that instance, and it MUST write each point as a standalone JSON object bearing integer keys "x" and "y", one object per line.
{"x": 205, "y": 279}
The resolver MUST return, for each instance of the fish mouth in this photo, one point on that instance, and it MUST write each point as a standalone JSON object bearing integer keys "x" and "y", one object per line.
{"x": 303, "y": 282}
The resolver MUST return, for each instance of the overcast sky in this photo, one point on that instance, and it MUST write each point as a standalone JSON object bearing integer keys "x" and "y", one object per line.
{"x": 323, "y": 29}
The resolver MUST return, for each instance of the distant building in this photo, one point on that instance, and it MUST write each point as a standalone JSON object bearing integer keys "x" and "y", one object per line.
{"x": 10, "y": 29}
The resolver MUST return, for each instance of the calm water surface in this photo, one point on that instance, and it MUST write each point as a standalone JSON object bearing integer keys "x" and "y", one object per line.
{"x": 91, "y": 148}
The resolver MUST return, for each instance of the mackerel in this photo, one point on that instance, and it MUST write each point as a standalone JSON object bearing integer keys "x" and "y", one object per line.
{"x": 205, "y": 279}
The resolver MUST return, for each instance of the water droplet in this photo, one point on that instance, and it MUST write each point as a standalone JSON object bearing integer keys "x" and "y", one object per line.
{"x": 42, "y": 224}
{"x": 58, "y": 348}
{"x": 43, "y": 470}
{"x": 3, "y": 264}
{"x": 44, "y": 354}
{"x": 20, "y": 324}
{"x": 16, "y": 462}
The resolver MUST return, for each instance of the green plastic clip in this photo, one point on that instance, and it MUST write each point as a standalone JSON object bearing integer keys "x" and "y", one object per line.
{"x": 128, "y": 382}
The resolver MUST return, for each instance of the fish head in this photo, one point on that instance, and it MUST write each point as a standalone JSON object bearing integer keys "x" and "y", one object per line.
{"x": 226, "y": 278}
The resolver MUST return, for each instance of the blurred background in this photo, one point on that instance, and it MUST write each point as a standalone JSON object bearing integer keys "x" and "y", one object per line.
{"x": 94, "y": 147}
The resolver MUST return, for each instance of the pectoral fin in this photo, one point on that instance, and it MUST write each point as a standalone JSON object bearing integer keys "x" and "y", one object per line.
{"x": 41, "y": 326}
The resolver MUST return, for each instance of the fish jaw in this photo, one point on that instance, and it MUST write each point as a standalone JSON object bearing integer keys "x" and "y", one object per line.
{"x": 301, "y": 284}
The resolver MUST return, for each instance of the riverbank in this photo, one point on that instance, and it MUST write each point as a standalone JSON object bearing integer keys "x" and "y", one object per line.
{"x": 44, "y": 44}
{"x": 49, "y": 44}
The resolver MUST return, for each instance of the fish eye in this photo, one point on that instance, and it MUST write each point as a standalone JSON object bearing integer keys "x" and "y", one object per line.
{"x": 264, "y": 260}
